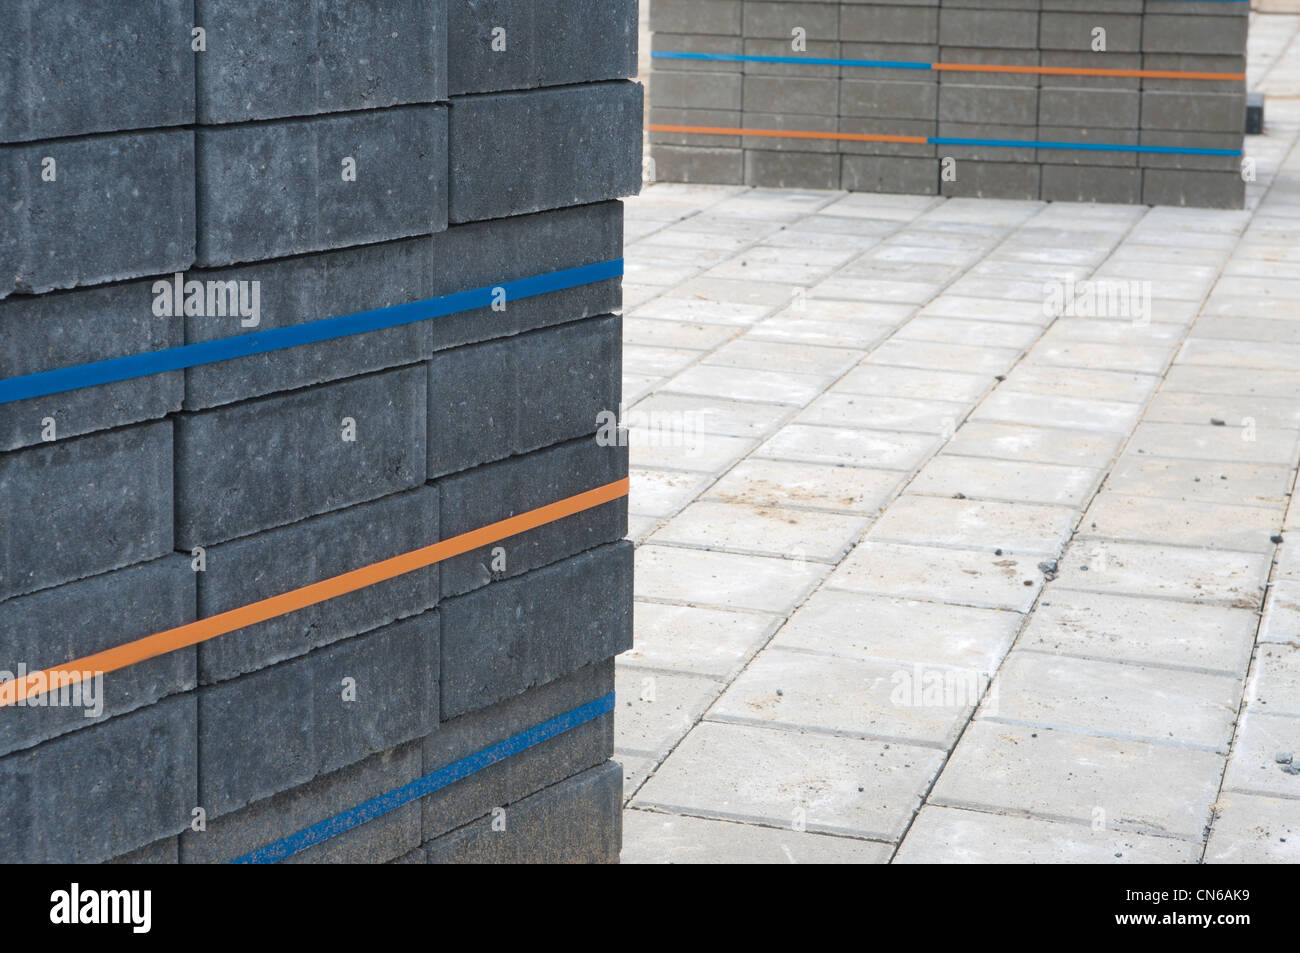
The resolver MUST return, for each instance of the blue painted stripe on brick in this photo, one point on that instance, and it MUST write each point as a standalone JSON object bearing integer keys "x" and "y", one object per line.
{"x": 1080, "y": 146}
{"x": 278, "y": 339}
{"x": 801, "y": 60}
{"x": 377, "y": 807}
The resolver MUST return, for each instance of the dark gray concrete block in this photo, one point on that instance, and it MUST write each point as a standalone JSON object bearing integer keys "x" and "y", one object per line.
{"x": 97, "y": 794}
{"x": 525, "y": 772}
{"x": 165, "y": 851}
{"x": 1189, "y": 187}
{"x": 583, "y": 41}
{"x": 269, "y": 563}
{"x": 303, "y": 57}
{"x": 234, "y": 835}
{"x": 119, "y": 206}
{"x": 994, "y": 180}
{"x": 485, "y": 254}
{"x": 714, "y": 90}
{"x": 45, "y": 332}
{"x": 504, "y": 638}
{"x": 416, "y": 856}
{"x": 698, "y": 164}
{"x": 474, "y": 26}
{"x": 297, "y": 291}
{"x": 278, "y": 188}
{"x": 1075, "y": 183}
{"x": 265, "y": 463}
{"x": 498, "y": 491}
{"x": 513, "y": 153}
{"x": 894, "y": 174}
{"x": 490, "y": 400}
{"x": 578, "y": 821}
{"x": 710, "y": 17}
{"x": 84, "y": 506}
{"x": 792, "y": 170}
{"x": 498, "y": 45}
{"x": 59, "y": 625}
{"x": 890, "y": 23}
{"x": 264, "y": 733}
{"x": 86, "y": 66}
{"x": 519, "y": 775}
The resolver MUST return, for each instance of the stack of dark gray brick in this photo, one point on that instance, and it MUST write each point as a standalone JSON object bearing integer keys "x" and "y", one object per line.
{"x": 1198, "y": 36}
{"x": 214, "y": 138}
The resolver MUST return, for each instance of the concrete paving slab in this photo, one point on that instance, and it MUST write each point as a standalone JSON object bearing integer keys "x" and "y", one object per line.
{"x": 747, "y": 527}
{"x": 785, "y": 778}
{"x": 1013, "y": 528}
{"x": 656, "y": 709}
{"x": 854, "y": 625}
{"x": 726, "y": 580}
{"x": 945, "y": 835}
{"x": 834, "y": 409}
{"x": 914, "y": 383}
{"x": 652, "y": 837}
{"x": 1204, "y": 481}
{"x": 702, "y": 414}
{"x": 1121, "y": 785}
{"x": 811, "y": 485}
{"x": 1254, "y": 830}
{"x": 854, "y": 698}
{"x": 1219, "y": 577}
{"x": 1184, "y": 523}
{"x": 844, "y": 447}
{"x": 1257, "y": 764}
{"x": 966, "y": 577}
{"x": 1238, "y": 441}
{"x": 1008, "y": 480}
{"x": 1141, "y": 631}
{"x": 1034, "y": 444}
{"x": 711, "y": 642}
{"x": 1117, "y": 699}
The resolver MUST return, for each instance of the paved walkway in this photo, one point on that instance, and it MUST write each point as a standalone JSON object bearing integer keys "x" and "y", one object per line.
{"x": 928, "y": 574}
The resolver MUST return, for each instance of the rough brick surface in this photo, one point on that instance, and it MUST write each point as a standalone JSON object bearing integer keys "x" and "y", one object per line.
{"x": 55, "y": 626}
{"x": 252, "y": 568}
{"x": 578, "y": 821}
{"x": 46, "y": 332}
{"x": 302, "y": 57}
{"x": 118, "y": 206}
{"x": 94, "y": 67}
{"x": 492, "y": 493}
{"x": 500, "y": 640}
{"x": 553, "y": 385}
{"x": 547, "y": 148}
{"x": 103, "y": 791}
{"x": 256, "y": 465}
{"x": 280, "y": 188}
{"x": 88, "y": 505}
{"x": 265, "y": 732}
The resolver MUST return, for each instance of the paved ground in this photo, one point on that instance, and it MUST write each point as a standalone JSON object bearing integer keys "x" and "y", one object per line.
{"x": 926, "y": 573}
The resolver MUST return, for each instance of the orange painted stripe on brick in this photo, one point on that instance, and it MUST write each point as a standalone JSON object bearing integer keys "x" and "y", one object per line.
{"x": 192, "y": 633}
{"x": 787, "y": 134}
{"x": 1085, "y": 71}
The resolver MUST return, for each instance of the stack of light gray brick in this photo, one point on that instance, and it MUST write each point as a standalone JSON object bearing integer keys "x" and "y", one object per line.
{"x": 490, "y": 141}
{"x": 1198, "y": 36}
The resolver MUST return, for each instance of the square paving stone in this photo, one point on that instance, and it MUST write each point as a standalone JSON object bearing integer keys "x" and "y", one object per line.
{"x": 786, "y": 778}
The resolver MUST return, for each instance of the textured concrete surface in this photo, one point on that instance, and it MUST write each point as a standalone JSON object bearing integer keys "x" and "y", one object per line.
{"x": 934, "y": 567}
{"x": 301, "y": 163}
